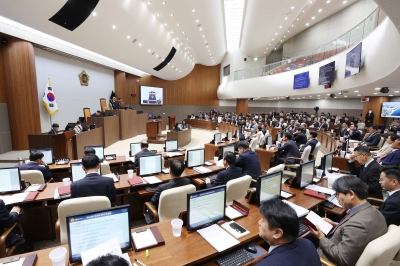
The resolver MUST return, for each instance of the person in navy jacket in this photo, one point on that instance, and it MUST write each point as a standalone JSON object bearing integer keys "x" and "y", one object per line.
{"x": 93, "y": 184}
{"x": 279, "y": 227}
{"x": 36, "y": 163}
{"x": 290, "y": 149}
{"x": 248, "y": 160}
{"x": 373, "y": 138}
{"x": 231, "y": 171}
{"x": 54, "y": 129}
{"x": 390, "y": 182}
{"x": 356, "y": 134}
{"x": 393, "y": 158}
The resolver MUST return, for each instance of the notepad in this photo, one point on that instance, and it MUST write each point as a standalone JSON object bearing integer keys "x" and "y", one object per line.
{"x": 231, "y": 213}
{"x": 218, "y": 237}
{"x": 202, "y": 170}
{"x": 321, "y": 189}
{"x": 312, "y": 220}
{"x": 286, "y": 195}
{"x": 300, "y": 211}
{"x": 15, "y": 198}
{"x": 144, "y": 239}
{"x": 152, "y": 179}
{"x": 112, "y": 176}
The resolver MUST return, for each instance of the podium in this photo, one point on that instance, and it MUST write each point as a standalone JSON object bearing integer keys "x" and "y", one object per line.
{"x": 171, "y": 122}
{"x": 64, "y": 145}
{"x": 152, "y": 129}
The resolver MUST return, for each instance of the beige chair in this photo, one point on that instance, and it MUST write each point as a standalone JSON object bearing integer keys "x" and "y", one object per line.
{"x": 379, "y": 146}
{"x": 361, "y": 125}
{"x": 105, "y": 168}
{"x": 379, "y": 252}
{"x": 303, "y": 159}
{"x": 32, "y": 176}
{"x": 86, "y": 113}
{"x": 253, "y": 144}
{"x": 172, "y": 203}
{"x": 316, "y": 150}
{"x": 237, "y": 188}
{"x": 103, "y": 105}
{"x": 77, "y": 205}
{"x": 278, "y": 168}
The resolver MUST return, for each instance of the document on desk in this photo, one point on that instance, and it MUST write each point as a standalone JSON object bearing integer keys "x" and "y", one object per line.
{"x": 112, "y": 176}
{"x": 132, "y": 159}
{"x": 33, "y": 187}
{"x": 152, "y": 179}
{"x": 300, "y": 211}
{"x": 218, "y": 237}
{"x": 172, "y": 154}
{"x": 324, "y": 190}
{"x": 20, "y": 262}
{"x": 144, "y": 239}
{"x": 18, "y": 197}
{"x": 231, "y": 213}
{"x": 202, "y": 170}
{"x": 313, "y": 219}
{"x": 109, "y": 247}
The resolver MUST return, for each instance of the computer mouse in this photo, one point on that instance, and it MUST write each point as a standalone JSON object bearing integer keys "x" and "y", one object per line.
{"x": 251, "y": 249}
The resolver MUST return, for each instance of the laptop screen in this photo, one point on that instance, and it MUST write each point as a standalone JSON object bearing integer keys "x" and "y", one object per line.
{"x": 77, "y": 172}
{"x": 48, "y": 154}
{"x": 10, "y": 180}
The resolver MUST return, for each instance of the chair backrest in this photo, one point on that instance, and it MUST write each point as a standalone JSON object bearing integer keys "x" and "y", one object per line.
{"x": 237, "y": 188}
{"x": 380, "y": 144}
{"x": 253, "y": 144}
{"x": 278, "y": 168}
{"x": 382, "y": 250}
{"x": 366, "y": 135}
{"x": 306, "y": 153}
{"x": 103, "y": 104}
{"x": 173, "y": 202}
{"x": 262, "y": 140}
{"x": 32, "y": 176}
{"x": 105, "y": 168}
{"x": 361, "y": 125}
{"x": 86, "y": 113}
{"x": 316, "y": 150}
{"x": 77, "y": 205}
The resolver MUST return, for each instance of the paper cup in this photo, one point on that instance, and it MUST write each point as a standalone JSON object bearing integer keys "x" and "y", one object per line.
{"x": 66, "y": 181}
{"x": 319, "y": 173}
{"x": 130, "y": 173}
{"x": 57, "y": 256}
{"x": 176, "y": 227}
{"x": 342, "y": 153}
{"x": 216, "y": 159}
{"x": 127, "y": 157}
{"x": 267, "y": 147}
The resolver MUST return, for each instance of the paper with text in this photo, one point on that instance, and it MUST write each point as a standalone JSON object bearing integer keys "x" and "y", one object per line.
{"x": 218, "y": 237}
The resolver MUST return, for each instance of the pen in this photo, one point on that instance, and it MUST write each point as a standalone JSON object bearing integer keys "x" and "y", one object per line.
{"x": 140, "y": 262}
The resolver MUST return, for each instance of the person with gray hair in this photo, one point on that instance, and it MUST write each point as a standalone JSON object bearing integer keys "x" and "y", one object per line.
{"x": 369, "y": 172}
{"x": 347, "y": 240}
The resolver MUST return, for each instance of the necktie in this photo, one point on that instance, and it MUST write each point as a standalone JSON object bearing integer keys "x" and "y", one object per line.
{"x": 334, "y": 229}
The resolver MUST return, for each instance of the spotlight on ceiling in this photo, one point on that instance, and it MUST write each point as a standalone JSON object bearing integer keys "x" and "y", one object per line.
{"x": 332, "y": 95}
{"x": 384, "y": 90}
{"x": 287, "y": 98}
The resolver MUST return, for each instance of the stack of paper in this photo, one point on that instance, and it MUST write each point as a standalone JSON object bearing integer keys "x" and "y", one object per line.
{"x": 18, "y": 197}
{"x": 172, "y": 154}
{"x": 321, "y": 189}
{"x": 218, "y": 237}
{"x": 144, "y": 239}
{"x": 300, "y": 211}
{"x": 33, "y": 187}
{"x": 231, "y": 213}
{"x": 312, "y": 220}
{"x": 152, "y": 179}
{"x": 285, "y": 195}
{"x": 202, "y": 170}
{"x": 112, "y": 176}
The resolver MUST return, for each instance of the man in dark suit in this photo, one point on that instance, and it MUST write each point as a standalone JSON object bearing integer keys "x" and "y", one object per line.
{"x": 299, "y": 137}
{"x": 312, "y": 141}
{"x": 373, "y": 138}
{"x": 369, "y": 172}
{"x": 248, "y": 160}
{"x": 144, "y": 152}
{"x": 97, "y": 114}
{"x": 344, "y": 131}
{"x": 323, "y": 126}
{"x": 93, "y": 184}
{"x": 289, "y": 149}
{"x": 230, "y": 172}
{"x": 315, "y": 122}
{"x": 152, "y": 97}
{"x": 390, "y": 182}
{"x": 279, "y": 227}
{"x": 393, "y": 158}
{"x": 36, "y": 163}
{"x": 176, "y": 168}
{"x": 363, "y": 223}
{"x": 54, "y": 129}
{"x": 355, "y": 133}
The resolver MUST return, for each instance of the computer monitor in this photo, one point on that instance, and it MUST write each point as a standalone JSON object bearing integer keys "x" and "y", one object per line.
{"x": 269, "y": 187}
{"x": 305, "y": 174}
{"x": 217, "y": 138}
{"x": 77, "y": 172}
{"x": 205, "y": 207}
{"x": 99, "y": 151}
{"x": 327, "y": 163}
{"x": 47, "y": 152}
{"x": 89, "y": 229}
{"x": 149, "y": 165}
{"x": 229, "y": 135}
{"x": 10, "y": 180}
{"x": 227, "y": 148}
{"x": 268, "y": 140}
{"x": 171, "y": 145}
{"x": 195, "y": 157}
{"x": 135, "y": 148}
{"x": 150, "y": 116}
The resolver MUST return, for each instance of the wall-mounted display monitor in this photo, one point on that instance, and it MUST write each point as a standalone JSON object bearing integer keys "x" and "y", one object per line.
{"x": 301, "y": 81}
{"x": 353, "y": 61}
{"x": 151, "y": 95}
{"x": 327, "y": 74}
{"x": 390, "y": 109}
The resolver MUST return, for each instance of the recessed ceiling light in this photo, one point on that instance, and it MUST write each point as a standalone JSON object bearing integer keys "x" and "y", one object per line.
{"x": 319, "y": 98}
{"x": 187, "y": 39}
{"x": 276, "y": 33}
{"x": 319, "y": 95}
{"x": 328, "y": 1}
{"x": 396, "y": 91}
{"x": 178, "y": 24}
{"x": 172, "y": 31}
{"x": 310, "y": 96}
{"x": 313, "y": 18}
{"x": 344, "y": 2}
{"x": 310, "y": 1}
{"x": 266, "y": 48}
{"x": 265, "y": 52}
{"x": 280, "y": 27}
{"x": 183, "y": 32}
{"x": 273, "y": 39}
{"x": 358, "y": 94}
{"x": 345, "y": 96}
{"x": 164, "y": 2}
{"x": 292, "y": 7}
{"x": 292, "y": 26}
{"x": 140, "y": 44}
{"x": 319, "y": 10}
{"x": 328, "y": 94}
{"x": 113, "y": 27}
{"x": 269, "y": 44}
{"x": 377, "y": 89}
{"x": 286, "y": 18}
{"x": 307, "y": 24}
{"x": 158, "y": 14}
{"x": 203, "y": 36}
{"x": 149, "y": 51}
{"x": 304, "y": 11}
{"x": 148, "y": 2}
{"x": 128, "y": 37}
{"x": 193, "y": 10}
{"x": 172, "y": 15}
{"x": 94, "y": 14}
{"x": 166, "y": 24}
{"x": 201, "y": 29}
{"x": 156, "y": 55}
{"x": 288, "y": 31}
{"x": 197, "y": 20}
{"x": 355, "y": 91}
{"x": 390, "y": 95}
{"x": 180, "y": 71}
{"x": 375, "y": 93}
{"x": 284, "y": 36}
{"x": 207, "y": 46}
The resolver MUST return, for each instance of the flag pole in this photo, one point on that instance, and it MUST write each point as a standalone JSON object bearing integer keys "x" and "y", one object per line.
{"x": 49, "y": 84}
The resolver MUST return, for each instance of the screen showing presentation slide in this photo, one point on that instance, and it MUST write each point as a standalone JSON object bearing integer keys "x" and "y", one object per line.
{"x": 353, "y": 61}
{"x": 301, "y": 80}
{"x": 327, "y": 74}
{"x": 205, "y": 207}
{"x": 390, "y": 109}
{"x": 135, "y": 148}
{"x": 48, "y": 155}
{"x": 77, "y": 172}
{"x": 150, "y": 165}
{"x": 10, "y": 180}
{"x": 171, "y": 145}
{"x": 195, "y": 157}
{"x": 88, "y": 230}
{"x": 151, "y": 95}
{"x": 270, "y": 186}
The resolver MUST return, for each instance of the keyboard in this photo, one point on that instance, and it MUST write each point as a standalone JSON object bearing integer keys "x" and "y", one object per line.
{"x": 328, "y": 204}
{"x": 238, "y": 257}
{"x": 202, "y": 170}
{"x": 151, "y": 189}
{"x": 302, "y": 229}
{"x": 211, "y": 178}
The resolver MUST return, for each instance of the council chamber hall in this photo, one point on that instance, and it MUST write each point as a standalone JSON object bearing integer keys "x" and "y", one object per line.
{"x": 201, "y": 132}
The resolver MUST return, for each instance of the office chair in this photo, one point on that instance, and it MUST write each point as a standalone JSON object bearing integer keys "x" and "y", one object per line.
{"x": 72, "y": 206}
{"x": 4, "y": 251}
{"x": 105, "y": 168}
{"x": 379, "y": 146}
{"x": 361, "y": 125}
{"x": 253, "y": 144}
{"x": 172, "y": 203}
{"x": 86, "y": 113}
{"x": 33, "y": 176}
{"x": 316, "y": 150}
{"x": 304, "y": 159}
{"x": 103, "y": 105}
{"x": 380, "y": 251}
{"x": 237, "y": 188}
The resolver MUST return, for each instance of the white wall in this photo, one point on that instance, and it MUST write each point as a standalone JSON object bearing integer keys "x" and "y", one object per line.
{"x": 328, "y": 29}
{"x": 70, "y": 95}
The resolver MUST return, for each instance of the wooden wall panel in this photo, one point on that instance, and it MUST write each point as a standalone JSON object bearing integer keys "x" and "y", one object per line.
{"x": 199, "y": 88}
{"x": 131, "y": 87}
{"x": 3, "y": 96}
{"x": 375, "y": 104}
{"x": 242, "y": 106}
{"x": 19, "y": 75}
{"x": 120, "y": 84}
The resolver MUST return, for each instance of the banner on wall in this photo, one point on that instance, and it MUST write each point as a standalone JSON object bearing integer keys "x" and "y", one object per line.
{"x": 113, "y": 97}
{"x": 49, "y": 99}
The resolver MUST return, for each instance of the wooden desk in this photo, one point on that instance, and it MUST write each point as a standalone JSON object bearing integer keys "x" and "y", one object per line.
{"x": 204, "y": 124}
{"x": 225, "y": 127}
{"x": 111, "y": 128}
{"x": 127, "y": 122}
{"x": 265, "y": 156}
{"x": 92, "y": 137}
{"x": 184, "y": 137}
{"x": 341, "y": 163}
{"x": 210, "y": 149}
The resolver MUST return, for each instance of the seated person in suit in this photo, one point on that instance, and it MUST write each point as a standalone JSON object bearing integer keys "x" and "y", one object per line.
{"x": 299, "y": 137}
{"x": 312, "y": 141}
{"x": 315, "y": 123}
{"x": 392, "y": 158}
{"x": 176, "y": 127}
{"x": 323, "y": 126}
{"x": 248, "y": 160}
{"x": 78, "y": 128}
{"x": 68, "y": 127}
{"x": 386, "y": 148}
{"x": 93, "y": 184}
{"x": 363, "y": 223}
{"x": 390, "y": 182}
{"x": 373, "y": 138}
{"x": 369, "y": 172}
{"x": 8, "y": 219}
{"x": 355, "y": 133}
{"x": 117, "y": 104}
{"x": 36, "y": 163}
{"x": 144, "y": 146}
{"x": 259, "y": 136}
{"x": 230, "y": 172}
{"x": 344, "y": 131}
{"x": 242, "y": 137}
{"x": 289, "y": 149}
{"x": 346, "y": 121}
{"x": 264, "y": 130}
{"x": 98, "y": 113}
{"x": 54, "y": 129}
{"x": 279, "y": 227}
{"x": 176, "y": 168}
{"x": 238, "y": 132}
{"x": 184, "y": 125}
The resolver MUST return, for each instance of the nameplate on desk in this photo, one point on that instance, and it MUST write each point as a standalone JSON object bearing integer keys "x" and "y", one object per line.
{"x": 62, "y": 161}
{"x": 144, "y": 238}
{"x": 110, "y": 156}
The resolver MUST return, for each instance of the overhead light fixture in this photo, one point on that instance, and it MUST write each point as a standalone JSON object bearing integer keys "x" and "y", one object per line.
{"x": 201, "y": 29}
{"x": 344, "y": 2}
{"x": 358, "y": 94}
{"x": 307, "y": 24}
{"x": 187, "y": 39}
{"x": 140, "y": 44}
{"x": 276, "y": 33}
{"x": 304, "y": 11}
{"x": 149, "y": 2}
{"x": 310, "y": 1}
{"x": 377, "y": 89}
{"x": 355, "y": 91}
{"x": 183, "y": 32}
{"x": 265, "y": 52}
{"x": 286, "y": 18}
{"x": 197, "y": 20}
{"x": 203, "y": 36}
{"x": 158, "y": 14}
{"x": 396, "y": 91}
{"x": 94, "y": 14}
{"x": 319, "y": 10}
{"x": 288, "y": 31}
{"x": 178, "y": 24}
{"x": 172, "y": 15}
{"x": 163, "y": 2}
{"x": 128, "y": 37}
{"x": 328, "y": 1}
{"x": 313, "y": 18}
{"x": 193, "y": 10}
{"x": 166, "y": 24}
{"x": 273, "y": 39}
{"x": 375, "y": 93}
{"x": 292, "y": 7}
{"x": 280, "y": 27}
{"x": 233, "y": 22}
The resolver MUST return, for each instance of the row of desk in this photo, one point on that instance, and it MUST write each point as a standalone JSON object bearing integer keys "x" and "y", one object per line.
{"x": 203, "y": 124}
